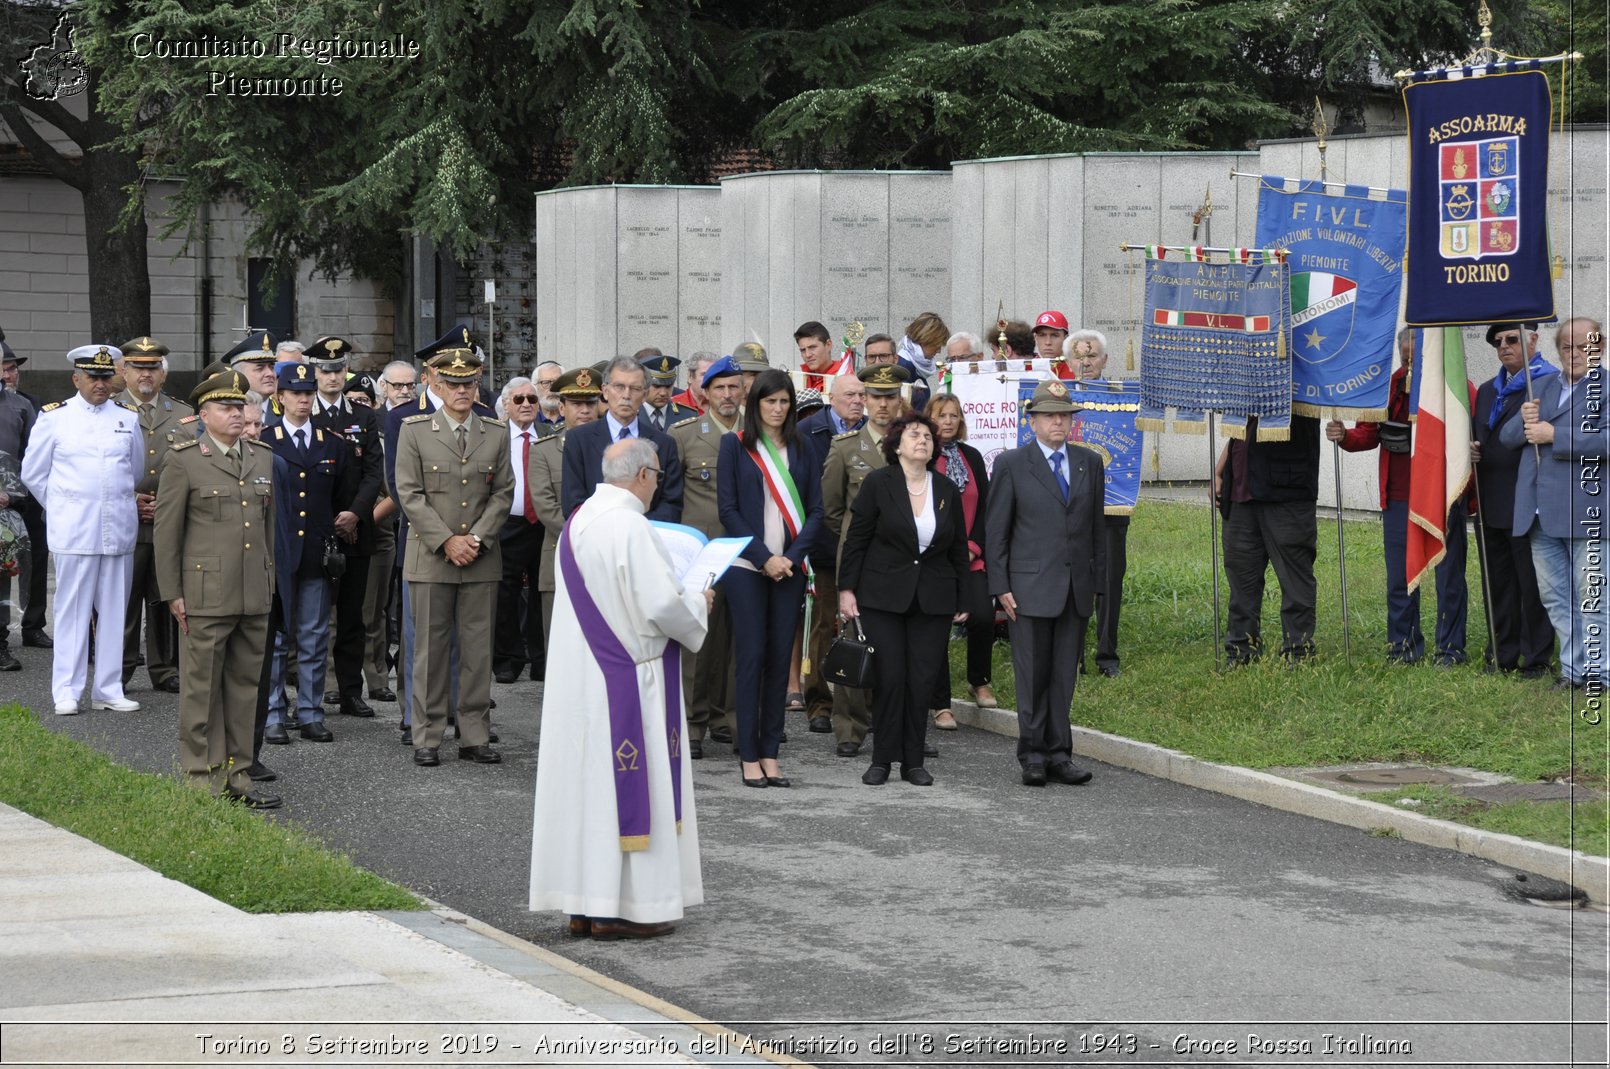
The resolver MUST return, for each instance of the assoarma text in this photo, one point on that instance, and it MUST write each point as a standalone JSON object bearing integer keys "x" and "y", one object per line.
{"x": 321, "y": 50}
{"x": 1477, "y": 124}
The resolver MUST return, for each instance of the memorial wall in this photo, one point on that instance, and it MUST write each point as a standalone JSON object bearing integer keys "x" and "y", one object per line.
{"x": 621, "y": 268}
{"x": 834, "y": 246}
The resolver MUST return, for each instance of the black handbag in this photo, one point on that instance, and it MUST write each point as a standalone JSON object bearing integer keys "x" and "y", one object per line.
{"x": 335, "y": 560}
{"x": 849, "y": 660}
{"x": 1395, "y": 436}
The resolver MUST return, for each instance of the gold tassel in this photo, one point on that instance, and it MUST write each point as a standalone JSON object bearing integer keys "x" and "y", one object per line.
{"x": 1280, "y": 344}
{"x": 1558, "y": 270}
{"x": 1129, "y": 355}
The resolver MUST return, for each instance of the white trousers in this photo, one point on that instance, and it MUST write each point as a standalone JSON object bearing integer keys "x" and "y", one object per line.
{"x": 88, "y": 585}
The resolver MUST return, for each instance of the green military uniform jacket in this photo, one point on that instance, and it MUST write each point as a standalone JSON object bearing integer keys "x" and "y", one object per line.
{"x": 850, "y": 459}
{"x": 545, "y": 476}
{"x": 699, "y": 441}
{"x": 159, "y": 427}
{"x": 445, "y": 494}
{"x": 214, "y": 531}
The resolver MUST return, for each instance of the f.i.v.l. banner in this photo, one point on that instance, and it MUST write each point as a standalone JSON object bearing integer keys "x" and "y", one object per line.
{"x": 1345, "y": 251}
{"x": 1478, "y": 182}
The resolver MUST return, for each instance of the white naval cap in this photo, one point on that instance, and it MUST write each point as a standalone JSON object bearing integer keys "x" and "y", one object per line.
{"x": 95, "y": 359}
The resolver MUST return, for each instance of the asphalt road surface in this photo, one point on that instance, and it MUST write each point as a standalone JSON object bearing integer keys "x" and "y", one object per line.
{"x": 978, "y": 921}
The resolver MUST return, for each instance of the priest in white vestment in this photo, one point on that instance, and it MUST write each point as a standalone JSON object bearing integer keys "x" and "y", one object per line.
{"x": 608, "y": 847}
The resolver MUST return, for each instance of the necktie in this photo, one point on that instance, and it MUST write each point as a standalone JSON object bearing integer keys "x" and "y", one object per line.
{"x": 232, "y": 454}
{"x": 626, "y": 432}
{"x": 301, "y": 440}
{"x": 525, "y": 478}
{"x": 1062, "y": 480}
{"x": 145, "y": 415}
{"x": 658, "y": 418}
{"x": 463, "y": 442}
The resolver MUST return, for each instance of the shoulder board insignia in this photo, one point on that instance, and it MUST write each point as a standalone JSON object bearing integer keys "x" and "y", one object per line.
{"x": 279, "y": 433}
{"x": 186, "y": 444}
{"x": 683, "y": 422}
{"x": 845, "y": 435}
{"x": 318, "y": 436}
{"x": 52, "y": 406}
{"x": 190, "y": 418}
{"x": 494, "y": 421}
{"x": 420, "y": 418}
{"x": 125, "y": 404}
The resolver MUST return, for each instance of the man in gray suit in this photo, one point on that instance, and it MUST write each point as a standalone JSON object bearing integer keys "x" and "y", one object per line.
{"x": 1559, "y": 500}
{"x": 1046, "y": 552}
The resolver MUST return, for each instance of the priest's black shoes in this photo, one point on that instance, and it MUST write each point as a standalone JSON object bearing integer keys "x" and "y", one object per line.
{"x": 354, "y": 705}
{"x": 254, "y": 799}
{"x": 875, "y": 775}
{"x": 481, "y": 755}
{"x": 1069, "y": 773}
{"x": 1034, "y": 776}
{"x": 261, "y": 773}
{"x": 427, "y": 756}
{"x": 917, "y": 777}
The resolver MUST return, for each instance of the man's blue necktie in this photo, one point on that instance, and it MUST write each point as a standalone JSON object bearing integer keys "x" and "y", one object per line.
{"x": 1062, "y": 480}
{"x": 626, "y": 432}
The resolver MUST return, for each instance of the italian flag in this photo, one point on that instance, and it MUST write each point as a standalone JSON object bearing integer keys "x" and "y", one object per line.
{"x": 1314, "y": 286}
{"x": 1439, "y": 464}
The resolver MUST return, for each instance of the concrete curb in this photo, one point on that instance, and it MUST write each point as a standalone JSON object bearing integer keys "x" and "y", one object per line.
{"x": 1583, "y": 871}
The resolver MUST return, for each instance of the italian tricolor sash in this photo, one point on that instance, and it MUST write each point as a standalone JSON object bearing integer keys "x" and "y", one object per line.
{"x": 780, "y": 485}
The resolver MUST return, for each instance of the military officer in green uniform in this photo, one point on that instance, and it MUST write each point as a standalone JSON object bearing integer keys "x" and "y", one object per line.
{"x": 455, "y": 485}
{"x": 708, "y": 678}
{"x": 145, "y": 368}
{"x": 578, "y": 391}
{"x": 213, "y": 542}
{"x": 850, "y": 459}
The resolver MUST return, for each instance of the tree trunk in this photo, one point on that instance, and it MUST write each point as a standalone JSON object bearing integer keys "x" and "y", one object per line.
{"x": 119, "y": 275}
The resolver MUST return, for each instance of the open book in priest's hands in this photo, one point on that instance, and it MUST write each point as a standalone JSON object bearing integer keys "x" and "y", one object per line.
{"x": 698, "y": 561}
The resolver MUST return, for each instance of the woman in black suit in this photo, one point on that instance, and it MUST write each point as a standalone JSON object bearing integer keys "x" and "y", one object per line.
{"x": 901, "y": 572}
{"x": 964, "y": 466}
{"x": 769, "y": 488}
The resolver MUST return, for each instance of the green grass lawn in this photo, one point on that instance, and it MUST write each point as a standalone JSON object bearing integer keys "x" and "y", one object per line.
{"x": 1329, "y": 711}
{"x": 228, "y": 852}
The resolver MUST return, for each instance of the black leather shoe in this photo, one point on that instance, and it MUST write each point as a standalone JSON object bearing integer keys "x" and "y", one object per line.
{"x": 356, "y": 706}
{"x": 276, "y": 735}
{"x": 332, "y": 697}
{"x": 917, "y": 777}
{"x": 261, "y": 773}
{"x": 316, "y": 732}
{"x": 758, "y": 781}
{"x": 822, "y": 725}
{"x": 38, "y": 640}
{"x": 1069, "y": 773}
{"x": 721, "y": 734}
{"x": 1034, "y": 776}
{"x": 930, "y": 750}
{"x": 491, "y": 733}
{"x": 254, "y": 799}
{"x": 427, "y": 756}
{"x": 503, "y": 677}
{"x": 8, "y": 663}
{"x": 290, "y": 720}
{"x": 1110, "y": 671}
{"x": 169, "y": 685}
{"x": 778, "y": 781}
{"x": 696, "y": 749}
{"x": 491, "y": 703}
{"x": 875, "y": 775}
{"x": 847, "y": 749}
{"x": 481, "y": 755}
{"x": 407, "y": 736}
{"x": 537, "y": 672}
{"x": 384, "y": 694}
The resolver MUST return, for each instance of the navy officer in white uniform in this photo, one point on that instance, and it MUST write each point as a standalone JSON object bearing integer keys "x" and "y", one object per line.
{"x": 84, "y": 457}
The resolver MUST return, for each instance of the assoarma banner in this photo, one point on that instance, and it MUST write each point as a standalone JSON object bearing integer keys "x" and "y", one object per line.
{"x": 1214, "y": 340}
{"x": 991, "y": 395}
{"x": 1345, "y": 252}
{"x": 1478, "y": 183}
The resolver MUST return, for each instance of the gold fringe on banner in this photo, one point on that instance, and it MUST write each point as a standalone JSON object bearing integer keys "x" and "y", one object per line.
{"x": 1189, "y": 426}
{"x": 1272, "y": 434}
{"x": 1119, "y": 510}
{"x": 1150, "y": 423}
{"x": 1238, "y": 433}
{"x": 1358, "y": 415}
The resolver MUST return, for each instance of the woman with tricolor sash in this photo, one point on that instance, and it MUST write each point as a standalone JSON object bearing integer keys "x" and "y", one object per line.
{"x": 768, "y": 488}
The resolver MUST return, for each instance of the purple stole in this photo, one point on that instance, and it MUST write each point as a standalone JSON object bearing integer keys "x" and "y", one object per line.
{"x": 626, "y": 707}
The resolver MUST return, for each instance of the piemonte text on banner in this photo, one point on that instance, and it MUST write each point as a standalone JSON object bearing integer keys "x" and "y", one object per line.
{"x": 1345, "y": 251}
{"x": 1478, "y": 185}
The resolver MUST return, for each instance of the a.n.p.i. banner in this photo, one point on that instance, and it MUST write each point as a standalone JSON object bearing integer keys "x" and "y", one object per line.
{"x": 1478, "y": 182}
{"x": 1214, "y": 340}
{"x": 1345, "y": 252}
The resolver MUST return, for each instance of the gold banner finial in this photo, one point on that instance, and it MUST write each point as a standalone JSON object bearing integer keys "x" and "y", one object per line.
{"x": 1321, "y": 128}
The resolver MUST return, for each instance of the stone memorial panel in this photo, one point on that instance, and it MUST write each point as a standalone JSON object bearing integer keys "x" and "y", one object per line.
{"x": 854, "y": 251}
{"x": 647, "y": 290}
{"x": 919, "y": 250}
{"x": 699, "y": 271}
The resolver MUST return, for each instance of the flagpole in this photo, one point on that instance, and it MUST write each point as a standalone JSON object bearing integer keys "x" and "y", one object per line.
{"x": 1202, "y": 219}
{"x": 1481, "y": 557}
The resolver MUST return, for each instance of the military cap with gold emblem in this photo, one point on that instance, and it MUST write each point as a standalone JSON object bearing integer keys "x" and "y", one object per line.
{"x": 661, "y": 370}
{"x": 144, "y": 352}
{"x": 329, "y": 353}
{"x": 456, "y": 365}
{"x": 298, "y": 378}
{"x": 96, "y": 360}
{"x": 458, "y": 337}
{"x": 255, "y": 348}
{"x": 883, "y": 379}
{"x": 751, "y": 356}
{"x": 228, "y": 388}
{"x": 1050, "y": 396}
{"x": 581, "y": 384}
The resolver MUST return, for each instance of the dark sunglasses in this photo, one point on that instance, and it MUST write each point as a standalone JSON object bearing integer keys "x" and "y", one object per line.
{"x": 524, "y": 398}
